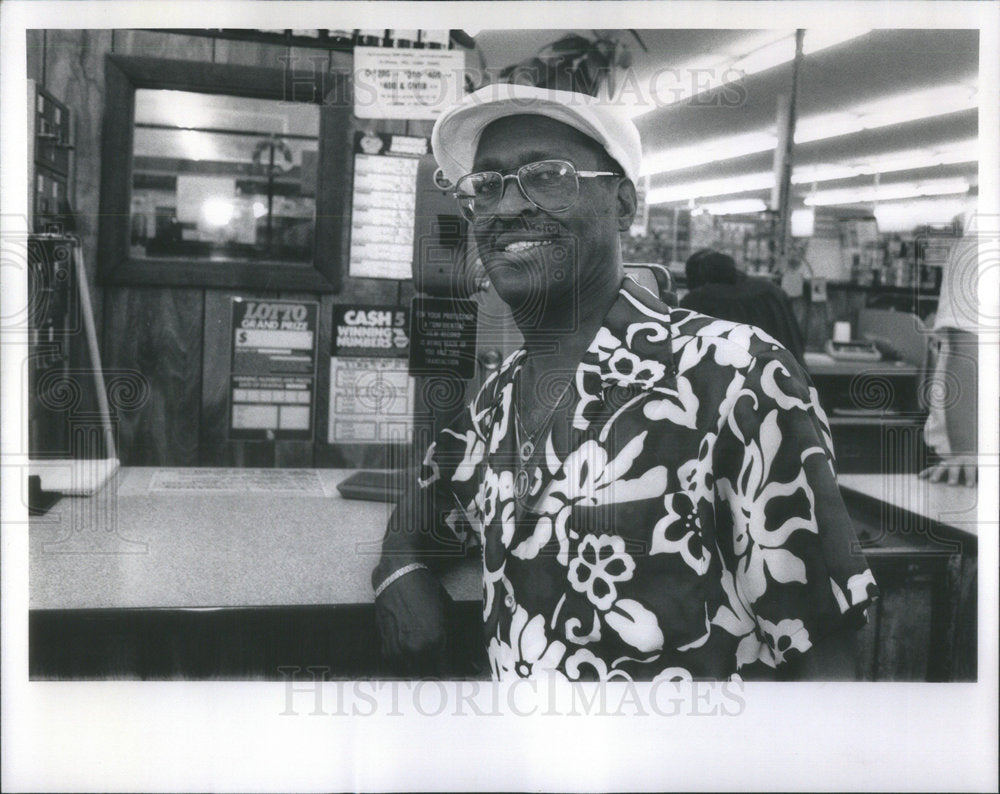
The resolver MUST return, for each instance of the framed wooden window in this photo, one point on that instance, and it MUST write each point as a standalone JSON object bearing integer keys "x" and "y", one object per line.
{"x": 228, "y": 176}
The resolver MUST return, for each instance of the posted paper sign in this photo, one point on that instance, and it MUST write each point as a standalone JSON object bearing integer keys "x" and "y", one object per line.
{"x": 273, "y": 369}
{"x": 443, "y": 336}
{"x": 371, "y": 391}
{"x": 297, "y": 482}
{"x": 383, "y": 219}
{"x": 405, "y": 83}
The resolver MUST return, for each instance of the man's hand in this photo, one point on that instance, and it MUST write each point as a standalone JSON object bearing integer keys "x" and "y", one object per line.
{"x": 952, "y": 469}
{"x": 411, "y": 616}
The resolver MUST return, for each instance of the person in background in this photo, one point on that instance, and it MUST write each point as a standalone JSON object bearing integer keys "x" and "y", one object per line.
{"x": 653, "y": 489}
{"x": 951, "y": 427}
{"x": 716, "y": 287}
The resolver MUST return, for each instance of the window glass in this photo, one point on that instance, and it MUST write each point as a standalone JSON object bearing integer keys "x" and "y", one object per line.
{"x": 223, "y": 178}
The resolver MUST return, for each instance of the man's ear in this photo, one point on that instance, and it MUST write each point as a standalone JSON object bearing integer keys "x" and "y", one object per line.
{"x": 626, "y": 204}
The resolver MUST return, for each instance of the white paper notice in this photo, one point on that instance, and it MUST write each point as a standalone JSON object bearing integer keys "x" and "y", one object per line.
{"x": 371, "y": 401}
{"x": 300, "y": 482}
{"x": 383, "y": 206}
{"x": 405, "y": 83}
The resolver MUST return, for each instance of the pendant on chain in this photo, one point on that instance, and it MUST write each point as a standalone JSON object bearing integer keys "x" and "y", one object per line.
{"x": 521, "y": 484}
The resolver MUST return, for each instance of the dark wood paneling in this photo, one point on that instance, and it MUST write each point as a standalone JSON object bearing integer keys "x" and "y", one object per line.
{"x": 261, "y": 643}
{"x": 336, "y": 180}
{"x": 116, "y": 146}
{"x": 150, "y": 44}
{"x": 215, "y": 448}
{"x": 35, "y": 47}
{"x": 904, "y": 643}
{"x": 963, "y": 585}
{"x": 158, "y": 334}
{"x": 299, "y": 454}
{"x": 74, "y": 73}
{"x": 243, "y": 53}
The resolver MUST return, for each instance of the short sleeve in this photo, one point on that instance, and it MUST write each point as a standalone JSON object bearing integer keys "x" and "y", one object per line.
{"x": 783, "y": 529}
{"x": 959, "y": 296}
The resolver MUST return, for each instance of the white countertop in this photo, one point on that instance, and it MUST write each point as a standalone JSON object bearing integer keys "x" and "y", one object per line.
{"x": 825, "y": 364}
{"x": 953, "y": 506}
{"x": 149, "y": 540}
{"x": 186, "y": 538}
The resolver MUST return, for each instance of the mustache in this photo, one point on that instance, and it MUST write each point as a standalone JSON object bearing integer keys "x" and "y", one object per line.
{"x": 497, "y": 232}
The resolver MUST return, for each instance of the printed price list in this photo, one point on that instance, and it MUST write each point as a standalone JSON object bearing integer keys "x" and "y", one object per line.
{"x": 382, "y": 226}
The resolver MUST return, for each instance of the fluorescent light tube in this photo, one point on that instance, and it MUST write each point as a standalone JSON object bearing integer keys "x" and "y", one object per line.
{"x": 958, "y": 152}
{"x": 877, "y": 193}
{"x": 896, "y": 109}
{"x": 755, "y": 53}
{"x": 735, "y": 206}
{"x": 711, "y": 187}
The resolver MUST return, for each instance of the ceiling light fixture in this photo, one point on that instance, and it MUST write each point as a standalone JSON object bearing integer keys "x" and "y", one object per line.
{"x": 803, "y": 222}
{"x": 197, "y": 145}
{"x": 887, "y": 192}
{"x": 896, "y": 109}
{"x": 911, "y": 106}
{"x": 949, "y": 154}
{"x": 736, "y": 206}
{"x": 899, "y": 216}
{"x": 750, "y": 55}
{"x": 217, "y": 211}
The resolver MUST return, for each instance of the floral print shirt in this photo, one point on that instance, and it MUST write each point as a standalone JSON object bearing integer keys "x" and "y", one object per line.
{"x": 692, "y": 526}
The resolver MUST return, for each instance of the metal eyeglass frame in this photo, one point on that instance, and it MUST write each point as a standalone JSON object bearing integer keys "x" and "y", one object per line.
{"x": 516, "y": 176}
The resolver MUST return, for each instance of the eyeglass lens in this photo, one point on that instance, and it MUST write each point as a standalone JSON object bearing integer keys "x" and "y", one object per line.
{"x": 548, "y": 184}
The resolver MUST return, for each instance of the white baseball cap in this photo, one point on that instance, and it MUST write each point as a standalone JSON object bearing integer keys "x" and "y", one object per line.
{"x": 457, "y": 131}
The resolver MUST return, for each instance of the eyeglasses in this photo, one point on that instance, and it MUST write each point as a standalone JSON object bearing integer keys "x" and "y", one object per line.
{"x": 550, "y": 185}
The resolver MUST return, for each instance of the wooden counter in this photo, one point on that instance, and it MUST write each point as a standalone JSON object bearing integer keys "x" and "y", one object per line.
{"x": 921, "y": 541}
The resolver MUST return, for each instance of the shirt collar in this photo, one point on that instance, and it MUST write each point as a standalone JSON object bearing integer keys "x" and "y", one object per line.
{"x": 635, "y": 316}
{"x": 636, "y": 322}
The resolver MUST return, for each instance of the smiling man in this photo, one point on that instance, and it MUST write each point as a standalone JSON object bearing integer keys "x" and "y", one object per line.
{"x": 653, "y": 488}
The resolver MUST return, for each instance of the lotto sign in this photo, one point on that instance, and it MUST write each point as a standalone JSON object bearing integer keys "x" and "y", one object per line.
{"x": 273, "y": 375}
{"x": 371, "y": 391}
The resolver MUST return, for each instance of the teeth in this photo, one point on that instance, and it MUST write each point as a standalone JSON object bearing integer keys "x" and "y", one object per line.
{"x": 524, "y": 245}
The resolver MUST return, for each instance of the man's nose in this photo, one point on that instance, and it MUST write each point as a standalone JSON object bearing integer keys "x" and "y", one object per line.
{"x": 512, "y": 199}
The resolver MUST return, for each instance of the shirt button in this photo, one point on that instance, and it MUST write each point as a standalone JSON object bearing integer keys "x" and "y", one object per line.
{"x": 509, "y": 601}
